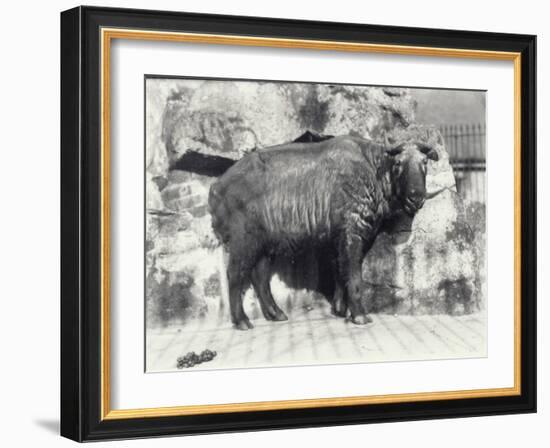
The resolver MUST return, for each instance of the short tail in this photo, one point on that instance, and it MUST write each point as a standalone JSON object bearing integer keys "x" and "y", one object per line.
{"x": 204, "y": 164}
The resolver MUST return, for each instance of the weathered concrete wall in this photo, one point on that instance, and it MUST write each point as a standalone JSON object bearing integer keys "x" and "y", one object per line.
{"x": 405, "y": 270}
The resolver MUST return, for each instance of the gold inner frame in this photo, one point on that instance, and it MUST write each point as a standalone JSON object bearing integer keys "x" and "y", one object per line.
{"x": 107, "y": 35}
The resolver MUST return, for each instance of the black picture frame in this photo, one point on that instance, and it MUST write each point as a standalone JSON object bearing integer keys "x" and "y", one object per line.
{"x": 81, "y": 224}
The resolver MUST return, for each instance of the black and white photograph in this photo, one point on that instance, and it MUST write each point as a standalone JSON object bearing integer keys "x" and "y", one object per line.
{"x": 293, "y": 224}
{"x": 275, "y": 224}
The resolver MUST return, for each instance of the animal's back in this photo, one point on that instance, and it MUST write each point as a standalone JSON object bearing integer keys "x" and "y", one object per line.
{"x": 289, "y": 191}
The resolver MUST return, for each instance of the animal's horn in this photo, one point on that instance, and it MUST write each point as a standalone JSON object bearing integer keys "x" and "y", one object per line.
{"x": 428, "y": 150}
{"x": 393, "y": 151}
{"x": 423, "y": 147}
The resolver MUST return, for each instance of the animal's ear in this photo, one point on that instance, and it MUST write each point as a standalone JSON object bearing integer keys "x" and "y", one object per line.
{"x": 393, "y": 151}
{"x": 430, "y": 152}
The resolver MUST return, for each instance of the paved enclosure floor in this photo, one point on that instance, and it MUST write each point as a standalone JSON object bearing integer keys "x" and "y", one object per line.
{"x": 313, "y": 336}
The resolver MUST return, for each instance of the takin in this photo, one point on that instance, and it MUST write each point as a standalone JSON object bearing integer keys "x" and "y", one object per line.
{"x": 332, "y": 193}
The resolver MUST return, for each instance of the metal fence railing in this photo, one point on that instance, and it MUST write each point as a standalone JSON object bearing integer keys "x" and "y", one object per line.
{"x": 466, "y": 145}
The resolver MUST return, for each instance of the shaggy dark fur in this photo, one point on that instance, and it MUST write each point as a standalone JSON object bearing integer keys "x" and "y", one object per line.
{"x": 330, "y": 196}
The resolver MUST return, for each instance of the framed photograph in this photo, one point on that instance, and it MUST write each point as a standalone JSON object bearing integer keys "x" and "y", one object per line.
{"x": 273, "y": 223}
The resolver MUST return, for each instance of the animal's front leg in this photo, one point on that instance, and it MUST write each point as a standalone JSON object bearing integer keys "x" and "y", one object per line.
{"x": 352, "y": 251}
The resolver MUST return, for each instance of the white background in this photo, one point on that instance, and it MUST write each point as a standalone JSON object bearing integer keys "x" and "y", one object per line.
{"x": 132, "y": 388}
{"x": 30, "y": 238}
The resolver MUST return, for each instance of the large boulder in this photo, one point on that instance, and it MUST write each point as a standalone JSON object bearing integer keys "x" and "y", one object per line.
{"x": 232, "y": 118}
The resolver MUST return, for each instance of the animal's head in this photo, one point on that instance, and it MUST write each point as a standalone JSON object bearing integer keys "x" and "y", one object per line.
{"x": 409, "y": 163}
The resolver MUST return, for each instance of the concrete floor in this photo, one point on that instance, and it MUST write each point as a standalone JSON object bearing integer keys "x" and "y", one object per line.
{"x": 313, "y": 336}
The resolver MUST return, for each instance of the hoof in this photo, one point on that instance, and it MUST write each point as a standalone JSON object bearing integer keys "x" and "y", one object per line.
{"x": 339, "y": 311}
{"x": 275, "y": 315}
{"x": 362, "y": 319}
{"x": 280, "y": 316}
{"x": 244, "y": 325}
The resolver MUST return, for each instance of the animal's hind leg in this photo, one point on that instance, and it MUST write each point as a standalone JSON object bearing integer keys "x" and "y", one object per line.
{"x": 339, "y": 300}
{"x": 261, "y": 276}
{"x": 238, "y": 272}
{"x": 339, "y": 303}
